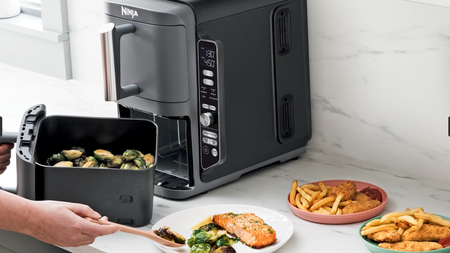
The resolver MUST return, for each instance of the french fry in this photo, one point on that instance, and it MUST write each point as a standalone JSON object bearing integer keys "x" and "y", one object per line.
{"x": 311, "y": 187}
{"x": 400, "y": 231}
{"x": 293, "y": 193}
{"x": 309, "y": 191}
{"x": 323, "y": 190}
{"x": 305, "y": 203}
{"x": 408, "y": 219}
{"x": 299, "y": 204}
{"x": 378, "y": 228}
{"x": 342, "y": 203}
{"x": 339, "y": 211}
{"x": 336, "y": 203}
{"x": 433, "y": 218}
{"x": 322, "y": 202}
{"x": 304, "y": 194}
{"x": 397, "y": 214}
{"x": 418, "y": 226}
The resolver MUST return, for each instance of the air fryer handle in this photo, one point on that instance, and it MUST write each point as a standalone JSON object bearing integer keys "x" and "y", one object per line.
{"x": 6, "y": 137}
{"x": 110, "y": 35}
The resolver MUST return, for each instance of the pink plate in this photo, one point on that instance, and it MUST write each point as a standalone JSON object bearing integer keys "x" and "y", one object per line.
{"x": 344, "y": 218}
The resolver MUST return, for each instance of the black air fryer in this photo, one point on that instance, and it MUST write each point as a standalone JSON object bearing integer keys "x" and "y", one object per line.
{"x": 226, "y": 82}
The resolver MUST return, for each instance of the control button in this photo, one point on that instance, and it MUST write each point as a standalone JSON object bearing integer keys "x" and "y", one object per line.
{"x": 213, "y": 142}
{"x": 205, "y": 106}
{"x": 205, "y": 150}
{"x": 209, "y": 134}
{"x": 208, "y": 82}
{"x": 208, "y": 73}
{"x": 207, "y": 119}
{"x": 214, "y": 152}
{"x": 212, "y": 108}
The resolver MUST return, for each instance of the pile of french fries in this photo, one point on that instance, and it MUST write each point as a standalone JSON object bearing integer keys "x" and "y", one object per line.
{"x": 401, "y": 221}
{"x": 312, "y": 198}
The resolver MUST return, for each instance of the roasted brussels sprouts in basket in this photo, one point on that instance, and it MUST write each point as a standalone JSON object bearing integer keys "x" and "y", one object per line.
{"x": 131, "y": 159}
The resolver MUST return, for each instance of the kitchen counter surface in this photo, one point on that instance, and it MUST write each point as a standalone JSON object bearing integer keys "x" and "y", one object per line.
{"x": 268, "y": 187}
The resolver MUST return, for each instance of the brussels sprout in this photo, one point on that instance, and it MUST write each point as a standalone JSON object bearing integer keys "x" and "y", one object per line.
{"x": 71, "y": 154}
{"x": 131, "y": 154}
{"x": 64, "y": 164}
{"x": 206, "y": 237}
{"x": 82, "y": 150}
{"x": 127, "y": 166}
{"x": 140, "y": 163}
{"x": 149, "y": 160}
{"x": 224, "y": 241}
{"x": 225, "y": 249}
{"x": 90, "y": 161}
{"x": 102, "y": 165}
{"x": 80, "y": 161}
{"x": 201, "y": 248}
{"x": 115, "y": 162}
{"x": 56, "y": 158}
{"x": 170, "y": 235}
{"x": 103, "y": 155}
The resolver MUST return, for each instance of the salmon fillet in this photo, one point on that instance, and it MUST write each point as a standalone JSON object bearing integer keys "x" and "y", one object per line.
{"x": 411, "y": 246}
{"x": 426, "y": 233}
{"x": 248, "y": 228}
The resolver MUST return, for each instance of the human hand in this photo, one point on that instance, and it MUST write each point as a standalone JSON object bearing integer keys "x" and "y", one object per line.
{"x": 63, "y": 224}
{"x": 5, "y": 155}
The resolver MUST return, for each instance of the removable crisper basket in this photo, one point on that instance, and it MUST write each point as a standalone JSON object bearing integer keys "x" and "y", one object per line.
{"x": 125, "y": 196}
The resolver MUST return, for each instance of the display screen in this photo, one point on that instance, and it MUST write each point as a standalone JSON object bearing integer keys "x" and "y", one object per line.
{"x": 207, "y": 57}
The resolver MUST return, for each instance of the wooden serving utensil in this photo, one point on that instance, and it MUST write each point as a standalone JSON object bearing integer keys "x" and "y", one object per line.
{"x": 150, "y": 234}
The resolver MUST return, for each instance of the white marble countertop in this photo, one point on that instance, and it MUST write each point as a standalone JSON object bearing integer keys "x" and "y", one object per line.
{"x": 268, "y": 187}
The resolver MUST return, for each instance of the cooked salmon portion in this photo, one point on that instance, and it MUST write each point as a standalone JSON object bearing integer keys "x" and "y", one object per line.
{"x": 248, "y": 228}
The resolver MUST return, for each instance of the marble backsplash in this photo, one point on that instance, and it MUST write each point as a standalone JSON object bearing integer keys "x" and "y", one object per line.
{"x": 380, "y": 82}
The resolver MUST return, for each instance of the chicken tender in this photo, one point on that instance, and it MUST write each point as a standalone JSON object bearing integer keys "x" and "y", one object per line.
{"x": 347, "y": 188}
{"x": 358, "y": 207}
{"x": 426, "y": 233}
{"x": 361, "y": 197}
{"x": 411, "y": 246}
{"x": 385, "y": 236}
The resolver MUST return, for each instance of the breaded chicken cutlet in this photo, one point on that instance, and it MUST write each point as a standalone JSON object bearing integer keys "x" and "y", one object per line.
{"x": 347, "y": 188}
{"x": 357, "y": 207}
{"x": 411, "y": 246}
{"x": 385, "y": 236}
{"x": 427, "y": 232}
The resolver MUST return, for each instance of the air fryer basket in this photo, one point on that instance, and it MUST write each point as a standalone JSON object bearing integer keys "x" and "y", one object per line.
{"x": 125, "y": 196}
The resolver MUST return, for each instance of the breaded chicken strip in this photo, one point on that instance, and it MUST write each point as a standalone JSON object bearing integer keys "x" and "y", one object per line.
{"x": 426, "y": 233}
{"x": 410, "y": 246}
{"x": 385, "y": 236}
{"x": 360, "y": 206}
{"x": 361, "y": 197}
{"x": 347, "y": 188}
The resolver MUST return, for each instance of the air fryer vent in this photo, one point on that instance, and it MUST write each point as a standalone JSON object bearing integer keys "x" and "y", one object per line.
{"x": 283, "y": 31}
{"x": 286, "y": 117}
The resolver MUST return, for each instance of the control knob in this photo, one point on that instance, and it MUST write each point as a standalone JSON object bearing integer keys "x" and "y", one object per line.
{"x": 207, "y": 119}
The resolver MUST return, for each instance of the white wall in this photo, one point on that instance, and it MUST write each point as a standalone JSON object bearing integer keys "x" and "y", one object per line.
{"x": 380, "y": 78}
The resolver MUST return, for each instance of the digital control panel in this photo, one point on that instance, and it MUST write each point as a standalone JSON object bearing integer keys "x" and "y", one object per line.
{"x": 208, "y": 76}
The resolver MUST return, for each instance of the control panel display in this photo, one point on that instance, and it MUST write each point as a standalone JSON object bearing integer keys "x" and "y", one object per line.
{"x": 209, "y": 103}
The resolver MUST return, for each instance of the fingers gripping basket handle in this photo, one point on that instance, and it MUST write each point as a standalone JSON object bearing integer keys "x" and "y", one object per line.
{"x": 110, "y": 35}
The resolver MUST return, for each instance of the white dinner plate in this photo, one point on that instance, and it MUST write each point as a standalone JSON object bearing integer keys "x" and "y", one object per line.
{"x": 182, "y": 221}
